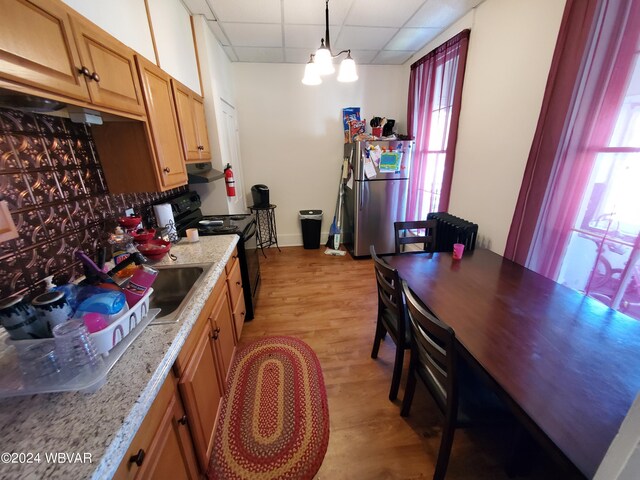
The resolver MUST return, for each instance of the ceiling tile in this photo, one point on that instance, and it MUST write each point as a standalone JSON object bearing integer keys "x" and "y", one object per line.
{"x": 253, "y": 34}
{"x": 387, "y": 57}
{"x": 259, "y": 11}
{"x": 199, "y": 7}
{"x": 363, "y": 38}
{"x": 412, "y": 38}
{"x": 307, "y": 36}
{"x": 381, "y": 13}
{"x": 259, "y": 55}
{"x": 441, "y": 13}
{"x": 217, "y": 31}
{"x": 363, "y": 57}
{"x": 311, "y": 12}
{"x": 297, "y": 55}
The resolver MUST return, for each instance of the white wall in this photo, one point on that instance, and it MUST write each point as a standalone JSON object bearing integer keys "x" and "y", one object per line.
{"x": 622, "y": 460}
{"x": 291, "y": 134}
{"x": 124, "y": 19}
{"x": 174, "y": 40}
{"x": 510, "y": 51}
{"x": 219, "y": 96}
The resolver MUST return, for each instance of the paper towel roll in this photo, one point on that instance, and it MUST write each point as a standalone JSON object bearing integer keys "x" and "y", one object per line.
{"x": 164, "y": 217}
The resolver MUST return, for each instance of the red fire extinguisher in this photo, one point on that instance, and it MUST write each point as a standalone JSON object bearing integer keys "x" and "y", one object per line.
{"x": 229, "y": 181}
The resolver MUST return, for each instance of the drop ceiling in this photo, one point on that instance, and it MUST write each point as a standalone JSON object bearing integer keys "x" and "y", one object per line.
{"x": 378, "y": 32}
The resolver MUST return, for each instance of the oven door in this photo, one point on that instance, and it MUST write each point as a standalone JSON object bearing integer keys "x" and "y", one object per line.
{"x": 252, "y": 272}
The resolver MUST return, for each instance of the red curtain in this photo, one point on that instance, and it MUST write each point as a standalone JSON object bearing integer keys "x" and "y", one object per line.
{"x": 435, "y": 92}
{"x": 565, "y": 67}
{"x": 587, "y": 82}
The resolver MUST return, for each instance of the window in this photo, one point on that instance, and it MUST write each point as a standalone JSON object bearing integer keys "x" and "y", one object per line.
{"x": 602, "y": 255}
{"x": 435, "y": 90}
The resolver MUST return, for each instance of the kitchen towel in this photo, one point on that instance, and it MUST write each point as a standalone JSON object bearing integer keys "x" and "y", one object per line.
{"x": 164, "y": 218}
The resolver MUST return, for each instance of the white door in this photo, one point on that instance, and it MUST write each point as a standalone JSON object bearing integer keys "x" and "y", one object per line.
{"x": 231, "y": 152}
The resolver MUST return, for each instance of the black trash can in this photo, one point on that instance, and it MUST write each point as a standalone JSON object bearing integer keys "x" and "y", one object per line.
{"x": 311, "y": 221}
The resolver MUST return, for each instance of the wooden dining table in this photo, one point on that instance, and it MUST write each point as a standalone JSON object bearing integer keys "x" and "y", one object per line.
{"x": 568, "y": 366}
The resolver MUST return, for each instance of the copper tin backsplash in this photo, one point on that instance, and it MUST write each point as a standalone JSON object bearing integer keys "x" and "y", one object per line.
{"x": 52, "y": 179}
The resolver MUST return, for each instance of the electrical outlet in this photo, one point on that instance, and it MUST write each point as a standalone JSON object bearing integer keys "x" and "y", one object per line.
{"x": 8, "y": 230}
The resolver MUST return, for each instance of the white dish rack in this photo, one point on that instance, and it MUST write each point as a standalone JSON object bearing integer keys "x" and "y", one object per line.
{"x": 111, "y": 343}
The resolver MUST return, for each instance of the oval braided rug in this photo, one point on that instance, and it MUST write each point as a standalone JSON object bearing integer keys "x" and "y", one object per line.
{"x": 274, "y": 422}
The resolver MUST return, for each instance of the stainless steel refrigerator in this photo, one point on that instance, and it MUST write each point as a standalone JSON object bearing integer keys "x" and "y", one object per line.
{"x": 375, "y": 195}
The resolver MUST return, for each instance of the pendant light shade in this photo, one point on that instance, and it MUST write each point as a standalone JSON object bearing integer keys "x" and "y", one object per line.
{"x": 311, "y": 76}
{"x": 348, "y": 70}
{"x": 321, "y": 62}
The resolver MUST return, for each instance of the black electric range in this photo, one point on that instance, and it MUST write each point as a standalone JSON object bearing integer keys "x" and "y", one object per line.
{"x": 187, "y": 214}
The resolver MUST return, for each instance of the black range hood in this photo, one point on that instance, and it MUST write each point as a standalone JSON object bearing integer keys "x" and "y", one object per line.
{"x": 202, "y": 173}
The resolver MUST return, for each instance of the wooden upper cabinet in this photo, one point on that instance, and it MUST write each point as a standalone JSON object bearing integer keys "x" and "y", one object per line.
{"x": 193, "y": 124}
{"x": 163, "y": 122}
{"x": 110, "y": 68}
{"x": 37, "y": 47}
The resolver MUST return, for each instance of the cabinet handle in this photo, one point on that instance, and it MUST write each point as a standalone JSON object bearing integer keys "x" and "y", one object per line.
{"x": 95, "y": 76}
{"x": 216, "y": 333}
{"x": 138, "y": 458}
{"x": 166, "y": 169}
{"x": 183, "y": 420}
{"x": 239, "y": 284}
{"x": 84, "y": 71}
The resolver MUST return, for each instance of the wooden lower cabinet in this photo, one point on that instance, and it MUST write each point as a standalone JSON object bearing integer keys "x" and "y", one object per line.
{"x": 162, "y": 448}
{"x": 223, "y": 334}
{"x": 200, "y": 390}
{"x": 175, "y": 441}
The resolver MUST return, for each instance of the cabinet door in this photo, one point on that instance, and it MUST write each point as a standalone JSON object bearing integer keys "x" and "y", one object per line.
{"x": 37, "y": 47}
{"x": 239, "y": 315}
{"x": 113, "y": 79}
{"x": 170, "y": 454}
{"x": 201, "y": 125}
{"x": 187, "y": 121}
{"x": 222, "y": 322}
{"x": 200, "y": 390}
{"x": 163, "y": 124}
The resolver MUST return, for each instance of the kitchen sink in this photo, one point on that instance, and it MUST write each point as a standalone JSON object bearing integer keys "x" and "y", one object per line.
{"x": 173, "y": 288}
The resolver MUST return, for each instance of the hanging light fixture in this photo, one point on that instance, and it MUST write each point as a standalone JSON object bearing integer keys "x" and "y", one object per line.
{"x": 321, "y": 62}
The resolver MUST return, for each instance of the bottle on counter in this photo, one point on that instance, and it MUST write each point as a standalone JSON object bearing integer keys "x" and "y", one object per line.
{"x": 20, "y": 320}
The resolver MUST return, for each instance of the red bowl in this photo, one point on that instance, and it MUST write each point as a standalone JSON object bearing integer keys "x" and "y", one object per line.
{"x": 145, "y": 236}
{"x": 129, "y": 222}
{"x": 154, "y": 249}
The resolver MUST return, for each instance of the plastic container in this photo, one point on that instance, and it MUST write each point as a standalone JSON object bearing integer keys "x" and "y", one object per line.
{"x": 75, "y": 347}
{"x": 107, "y": 339}
{"x": 139, "y": 283}
{"x": 311, "y": 221}
{"x": 110, "y": 303}
{"x": 14, "y": 382}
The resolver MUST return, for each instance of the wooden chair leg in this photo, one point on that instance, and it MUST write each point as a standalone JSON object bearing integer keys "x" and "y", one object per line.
{"x": 408, "y": 393}
{"x": 445, "y": 449}
{"x": 380, "y": 333}
{"x": 397, "y": 373}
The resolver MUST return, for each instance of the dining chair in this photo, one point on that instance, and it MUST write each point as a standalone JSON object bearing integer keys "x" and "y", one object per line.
{"x": 405, "y": 236}
{"x": 391, "y": 318}
{"x": 463, "y": 399}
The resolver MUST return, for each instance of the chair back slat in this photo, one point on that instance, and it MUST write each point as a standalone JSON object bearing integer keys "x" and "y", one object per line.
{"x": 404, "y": 236}
{"x": 389, "y": 290}
{"x": 433, "y": 349}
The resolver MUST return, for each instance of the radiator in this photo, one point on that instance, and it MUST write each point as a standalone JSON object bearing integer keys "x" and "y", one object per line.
{"x": 452, "y": 229}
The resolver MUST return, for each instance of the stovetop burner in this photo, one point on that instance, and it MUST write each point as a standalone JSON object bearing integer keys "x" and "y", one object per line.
{"x": 220, "y": 229}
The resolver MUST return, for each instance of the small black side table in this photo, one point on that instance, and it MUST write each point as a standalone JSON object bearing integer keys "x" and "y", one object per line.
{"x": 266, "y": 231}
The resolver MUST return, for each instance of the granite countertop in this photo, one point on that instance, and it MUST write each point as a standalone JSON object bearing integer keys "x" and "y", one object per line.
{"x": 96, "y": 429}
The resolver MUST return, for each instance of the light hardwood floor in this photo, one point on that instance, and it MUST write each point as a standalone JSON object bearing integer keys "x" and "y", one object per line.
{"x": 330, "y": 303}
